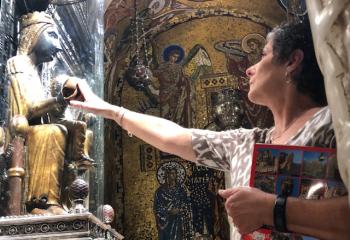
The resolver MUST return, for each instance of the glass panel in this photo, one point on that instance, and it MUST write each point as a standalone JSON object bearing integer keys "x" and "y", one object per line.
{"x": 81, "y": 29}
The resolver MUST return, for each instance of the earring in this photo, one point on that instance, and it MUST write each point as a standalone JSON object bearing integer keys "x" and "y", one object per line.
{"x": 287, "y": 79}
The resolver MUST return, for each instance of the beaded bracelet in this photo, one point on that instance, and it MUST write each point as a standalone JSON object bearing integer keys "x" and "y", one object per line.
{"x": 121, "y": 114}
{"x": 120, "y": 117}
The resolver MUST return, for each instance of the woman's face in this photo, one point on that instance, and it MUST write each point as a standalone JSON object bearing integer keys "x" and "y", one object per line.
{"x": 266, "y": 78}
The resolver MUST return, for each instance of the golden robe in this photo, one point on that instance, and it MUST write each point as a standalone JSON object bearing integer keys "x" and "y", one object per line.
{"x": 45, "y": 142}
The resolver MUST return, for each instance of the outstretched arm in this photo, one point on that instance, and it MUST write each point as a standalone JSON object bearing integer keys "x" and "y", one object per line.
{"x": 161, "y": 133}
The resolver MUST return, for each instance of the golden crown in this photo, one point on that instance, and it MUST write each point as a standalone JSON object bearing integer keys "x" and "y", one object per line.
{"x": 32, "y": 25}
{"x": 36, "y": 18}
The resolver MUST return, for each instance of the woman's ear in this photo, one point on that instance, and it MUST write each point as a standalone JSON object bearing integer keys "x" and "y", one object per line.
{"x": 295, "y": 60}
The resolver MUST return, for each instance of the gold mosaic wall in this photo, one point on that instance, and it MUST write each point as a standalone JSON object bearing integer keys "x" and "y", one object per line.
{"x": 203, "y": 30}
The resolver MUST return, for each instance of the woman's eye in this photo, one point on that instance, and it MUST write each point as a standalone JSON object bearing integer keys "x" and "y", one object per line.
{"x": 262, "y": 55}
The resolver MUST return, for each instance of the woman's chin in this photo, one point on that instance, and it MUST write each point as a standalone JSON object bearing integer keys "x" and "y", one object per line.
{"x": 251, "y": 96}
{"x": 255, "y": 98}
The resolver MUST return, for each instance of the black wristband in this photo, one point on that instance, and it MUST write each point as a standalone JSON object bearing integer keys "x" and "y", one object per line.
{"x": 279, "y": 214}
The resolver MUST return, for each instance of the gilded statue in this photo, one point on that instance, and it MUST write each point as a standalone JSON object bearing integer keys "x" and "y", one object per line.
{"x": 79, "y": 136}
{"x": 3, "y": 174}
{"x": 50, "y": 137}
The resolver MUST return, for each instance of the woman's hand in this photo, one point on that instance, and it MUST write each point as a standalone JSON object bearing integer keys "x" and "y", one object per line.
{"x": 249, "y": 208}
{"x": 93, "y": 103}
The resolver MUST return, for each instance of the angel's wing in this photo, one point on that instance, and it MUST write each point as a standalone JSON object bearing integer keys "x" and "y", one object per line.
{"x": 197, "y": 63}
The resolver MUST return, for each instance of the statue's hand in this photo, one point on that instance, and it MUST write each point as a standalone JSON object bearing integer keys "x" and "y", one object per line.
{"x": 70, "y": 89}
{"x": 90, "y": 102}
{"x": 60, "y": 99}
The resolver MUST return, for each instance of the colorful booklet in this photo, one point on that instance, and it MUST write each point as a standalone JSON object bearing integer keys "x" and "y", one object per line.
{"x": 303, "y": 172}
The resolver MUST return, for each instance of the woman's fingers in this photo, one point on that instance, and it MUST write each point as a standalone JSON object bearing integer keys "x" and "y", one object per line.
{"x": 85, "y": 90}
{"x": 75, "y": 104}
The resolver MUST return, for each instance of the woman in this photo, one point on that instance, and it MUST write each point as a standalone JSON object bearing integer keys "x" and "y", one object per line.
{"x": 289, "y": 82}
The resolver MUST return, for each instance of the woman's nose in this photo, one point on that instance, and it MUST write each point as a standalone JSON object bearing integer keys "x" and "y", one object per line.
{"x": 250, "y": 71}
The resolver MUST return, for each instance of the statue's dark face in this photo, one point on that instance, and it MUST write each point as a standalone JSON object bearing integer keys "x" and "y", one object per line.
{"x": 47, "y": 46}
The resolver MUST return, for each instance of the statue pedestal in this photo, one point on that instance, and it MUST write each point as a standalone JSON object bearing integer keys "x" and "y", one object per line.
{"x": 71, "y": 226}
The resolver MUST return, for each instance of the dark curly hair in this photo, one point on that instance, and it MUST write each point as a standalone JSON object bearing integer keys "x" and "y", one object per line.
{"x": 291, "y": 36}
